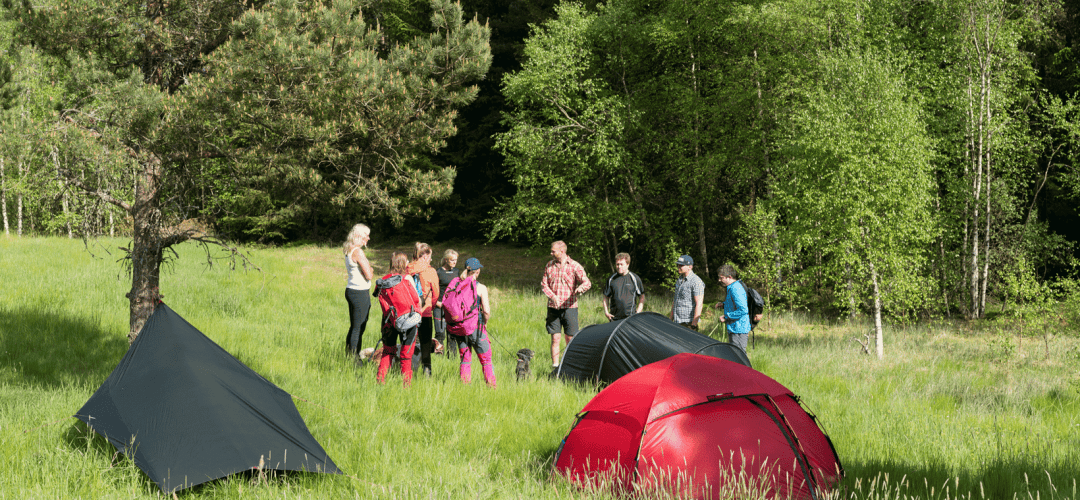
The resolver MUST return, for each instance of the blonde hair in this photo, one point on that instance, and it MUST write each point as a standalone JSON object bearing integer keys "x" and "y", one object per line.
{"x": 422, "y": 249}
{"x": 398, "y": 262}
{"x": 469, "y": 272}
{"x": 353, "y": 239}
{"x": 447, "y": 255}
{"x": 560, "y": 244}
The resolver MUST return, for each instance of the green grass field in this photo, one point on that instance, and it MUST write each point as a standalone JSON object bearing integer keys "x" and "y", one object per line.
{"x": 954, "y": 410}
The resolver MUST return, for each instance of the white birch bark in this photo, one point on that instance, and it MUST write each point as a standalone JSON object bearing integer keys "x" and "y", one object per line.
{"x": 3, "y": 195}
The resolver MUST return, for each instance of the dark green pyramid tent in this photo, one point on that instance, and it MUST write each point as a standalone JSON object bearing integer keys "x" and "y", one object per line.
{"x": 605, "y": 352}
{"x": 187, "y": 412}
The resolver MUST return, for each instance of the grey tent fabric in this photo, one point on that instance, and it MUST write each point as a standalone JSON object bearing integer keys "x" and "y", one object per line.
{"x": 605, "y": 352}
{"x": 186, "y": 412}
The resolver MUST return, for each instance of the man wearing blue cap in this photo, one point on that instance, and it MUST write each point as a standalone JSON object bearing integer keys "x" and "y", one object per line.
{"x": 689, "y": 294}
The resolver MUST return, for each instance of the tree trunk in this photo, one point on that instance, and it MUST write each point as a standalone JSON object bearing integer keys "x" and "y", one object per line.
{"x": 19, "y": 202}
{"x": 3, "y": 196}
{"x": 697, "y": 161}
{"x": 879, "y": 336}
{"x": 63, "y": 194}
{"x": 944, "y": 277}
{"x": 850, "y": 291}
{"x": 976, "y": 195}
{"x": 146, "y": 247}
{"x": 701, "y": 241}
{"x": 986, "y": 214}
{"x": 764, "y": 139}
{"x": 971, "y": 223}
{"x": 986, "y": 243}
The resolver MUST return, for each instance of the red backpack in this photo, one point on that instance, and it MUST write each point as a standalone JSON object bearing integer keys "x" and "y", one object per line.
{"x": 461, "y": 307}
{"x": 396, "y": 297}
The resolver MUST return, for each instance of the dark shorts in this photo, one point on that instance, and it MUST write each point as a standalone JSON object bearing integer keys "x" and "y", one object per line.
{"x": 562, "y": 319}
{"x": 690, "y": 326}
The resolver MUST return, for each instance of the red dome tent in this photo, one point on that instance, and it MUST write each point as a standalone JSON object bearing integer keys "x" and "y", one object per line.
{"x": 698, "y": 421}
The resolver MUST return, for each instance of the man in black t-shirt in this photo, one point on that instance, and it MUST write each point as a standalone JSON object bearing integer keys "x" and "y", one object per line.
{"x": 625, "y": 294}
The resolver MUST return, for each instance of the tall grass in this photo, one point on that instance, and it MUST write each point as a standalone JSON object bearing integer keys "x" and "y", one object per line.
{"x": 949, "y": 413}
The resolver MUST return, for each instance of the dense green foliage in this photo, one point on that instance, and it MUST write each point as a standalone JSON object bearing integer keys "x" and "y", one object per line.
{"x": 967, "y": 406}
{"x": 247, "y": 116}
{"x": 850, "y": 156}
{"x": 908, "y": 159}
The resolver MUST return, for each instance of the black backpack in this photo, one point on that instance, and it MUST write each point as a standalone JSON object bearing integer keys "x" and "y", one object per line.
{"x": 754, "y": 304}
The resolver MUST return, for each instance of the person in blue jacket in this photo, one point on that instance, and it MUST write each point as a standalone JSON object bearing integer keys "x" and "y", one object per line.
{"x": 736, "y": 314}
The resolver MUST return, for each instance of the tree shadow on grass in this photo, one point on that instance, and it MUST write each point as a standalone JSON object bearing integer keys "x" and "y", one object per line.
{"x": 50, "y": 349}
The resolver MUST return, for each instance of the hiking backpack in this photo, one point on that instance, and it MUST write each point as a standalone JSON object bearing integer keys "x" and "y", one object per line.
{"x": 399, "y": 302}
{"x": 461, "y": 307}
{"x": 754, "y": 304}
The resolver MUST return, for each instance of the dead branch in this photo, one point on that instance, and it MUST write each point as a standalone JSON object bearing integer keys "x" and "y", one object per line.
{"x": 865, "y": 343}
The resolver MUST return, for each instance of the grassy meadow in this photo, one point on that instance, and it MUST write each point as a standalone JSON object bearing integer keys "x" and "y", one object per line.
{"x": 955, "y": 410}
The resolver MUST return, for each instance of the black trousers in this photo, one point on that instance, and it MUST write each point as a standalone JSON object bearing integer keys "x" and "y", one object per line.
{"x": 359, "y": 306}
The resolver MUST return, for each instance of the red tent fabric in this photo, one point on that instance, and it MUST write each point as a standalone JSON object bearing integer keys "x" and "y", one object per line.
{"x": 703, "y": 425}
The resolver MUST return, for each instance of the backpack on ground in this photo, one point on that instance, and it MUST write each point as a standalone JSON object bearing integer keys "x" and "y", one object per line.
{"x": 399, "y": 301}
{"x": 461, "y": 307}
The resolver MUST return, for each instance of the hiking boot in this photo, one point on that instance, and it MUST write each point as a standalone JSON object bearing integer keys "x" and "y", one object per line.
{"x": 427, "y": 371}
{"x": 438, "y": 346}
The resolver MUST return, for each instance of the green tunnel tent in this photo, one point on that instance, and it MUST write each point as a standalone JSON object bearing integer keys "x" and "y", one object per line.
{"x": 185, "y": 411}
{"x": 604, "y": 352}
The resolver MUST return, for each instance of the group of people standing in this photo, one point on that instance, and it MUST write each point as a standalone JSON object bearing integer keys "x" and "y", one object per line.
{"x": 431, "y": 330}
{"x": 565, "y": 279}
{"x": 690, "y": 294}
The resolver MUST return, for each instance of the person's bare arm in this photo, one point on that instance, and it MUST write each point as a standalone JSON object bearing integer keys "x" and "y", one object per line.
{"x": 482, "y": 292}
{"x": 583, "y": 280}
{"x": 360, "y": 259}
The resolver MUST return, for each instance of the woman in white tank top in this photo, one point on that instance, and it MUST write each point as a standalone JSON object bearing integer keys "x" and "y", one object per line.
{"x": 359, "y": 286}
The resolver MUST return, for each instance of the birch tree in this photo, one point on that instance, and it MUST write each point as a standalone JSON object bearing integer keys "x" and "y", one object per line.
{"x": 857, "y": 184}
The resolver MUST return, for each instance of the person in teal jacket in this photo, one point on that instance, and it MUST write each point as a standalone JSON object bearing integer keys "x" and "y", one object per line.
{"x": 736, "y": 314}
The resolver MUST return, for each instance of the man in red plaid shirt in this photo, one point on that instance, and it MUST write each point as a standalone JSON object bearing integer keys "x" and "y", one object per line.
{"x": 564, "y": 280}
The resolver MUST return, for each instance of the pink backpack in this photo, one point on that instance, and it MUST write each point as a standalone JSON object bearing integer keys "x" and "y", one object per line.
{"x": 461, "y": 307}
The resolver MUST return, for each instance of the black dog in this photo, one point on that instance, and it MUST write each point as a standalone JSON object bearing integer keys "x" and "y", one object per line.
{"x": 524, "y": 356}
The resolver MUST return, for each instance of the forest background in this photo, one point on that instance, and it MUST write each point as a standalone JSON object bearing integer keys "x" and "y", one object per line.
{"x": 897, "y": 159}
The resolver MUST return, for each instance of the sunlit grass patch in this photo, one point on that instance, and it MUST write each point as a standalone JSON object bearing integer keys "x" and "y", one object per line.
{"x": 945, "y": 415}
